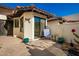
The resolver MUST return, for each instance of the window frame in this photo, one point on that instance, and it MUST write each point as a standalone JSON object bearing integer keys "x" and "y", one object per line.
{"x": 16, "y": 24}
{"x": 21, "y": 25}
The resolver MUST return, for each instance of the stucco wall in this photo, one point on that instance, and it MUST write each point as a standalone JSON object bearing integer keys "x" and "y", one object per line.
{"x": 64, "y": 30}
{"x": 28, "y": 25}
{"x": 54, "y": 27}
{"x": 67, "y": 30}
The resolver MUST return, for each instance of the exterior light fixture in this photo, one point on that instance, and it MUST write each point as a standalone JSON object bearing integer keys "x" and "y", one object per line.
{"x": 27, "y": 19}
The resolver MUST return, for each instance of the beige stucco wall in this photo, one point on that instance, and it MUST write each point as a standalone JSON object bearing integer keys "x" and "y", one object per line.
{"x": 28, "y": 25}
{"x": 54, "y": 27}
{"x": 67, "y": 30}
{"x": 64, "y": 29}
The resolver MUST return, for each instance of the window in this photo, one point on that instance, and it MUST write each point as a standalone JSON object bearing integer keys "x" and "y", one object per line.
{"x": 16, "y": 23}
{"x": 21, "y": 25}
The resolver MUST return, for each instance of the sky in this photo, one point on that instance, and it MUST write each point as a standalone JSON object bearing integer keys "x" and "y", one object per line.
{"x": 58, "y": 9}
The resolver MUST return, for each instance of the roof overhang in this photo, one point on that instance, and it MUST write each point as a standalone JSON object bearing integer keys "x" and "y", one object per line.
{"x": 19, "y": 11}
{"x": 56, "y": 19}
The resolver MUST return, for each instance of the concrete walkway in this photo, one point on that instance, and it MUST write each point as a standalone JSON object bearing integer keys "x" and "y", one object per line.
{"x": 44, "y": 48}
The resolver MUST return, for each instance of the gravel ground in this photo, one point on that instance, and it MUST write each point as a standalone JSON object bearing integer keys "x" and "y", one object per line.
{"x": 10, "y": 46}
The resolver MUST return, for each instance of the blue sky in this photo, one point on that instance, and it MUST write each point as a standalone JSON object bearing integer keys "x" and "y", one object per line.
{"x": 59, "y": 9}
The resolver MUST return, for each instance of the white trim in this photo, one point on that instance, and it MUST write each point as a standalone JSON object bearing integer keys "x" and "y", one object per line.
{"x": 46, "y": 22}
{"x": 33, "y": 28}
